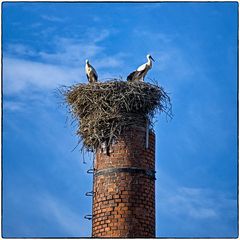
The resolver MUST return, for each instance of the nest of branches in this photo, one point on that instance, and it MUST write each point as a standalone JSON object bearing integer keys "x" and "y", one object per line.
{"x": 104, "y": 109}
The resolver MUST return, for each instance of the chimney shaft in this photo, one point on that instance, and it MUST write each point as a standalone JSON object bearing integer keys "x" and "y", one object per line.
{"x": 124, "y": 187}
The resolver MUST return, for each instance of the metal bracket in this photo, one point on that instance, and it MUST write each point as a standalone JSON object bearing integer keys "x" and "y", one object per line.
{"x": 89, "y": 194}
{"x": 90, "y": 171}
{"x": 88, "y": 216}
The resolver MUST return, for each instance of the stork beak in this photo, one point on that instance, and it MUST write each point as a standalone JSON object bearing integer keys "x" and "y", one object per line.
{"x": 152, "y": 58}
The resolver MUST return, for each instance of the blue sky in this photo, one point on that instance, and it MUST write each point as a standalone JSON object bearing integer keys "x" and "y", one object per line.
{"x": 195, "y": 47}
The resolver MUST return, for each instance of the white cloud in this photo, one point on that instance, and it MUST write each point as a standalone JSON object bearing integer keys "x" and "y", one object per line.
{"x": 109, "y": 62}
{"x": 173, "y": 63}
{"x": 44, "y": 33}
{"x": 195, "y": 203}
{"x": 52, "y": 18}
{"x": 97, "y": 36}
{"x": 28, "y": 206}
{"x": 63, "y": 66}
{"x": 13, "y": 106}
{"x": 19, "y": 74}
{"x": 74, "y": 53}
{"x": 20, "y": 49}
{"x": 70, "y": 52}
{"x": 62, "y": 214}
{"x": 162, "y": 38}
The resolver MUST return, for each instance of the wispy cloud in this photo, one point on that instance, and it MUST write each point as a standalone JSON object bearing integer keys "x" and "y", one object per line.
{"x": 20, "y": 50}
{"x": 109, "y": 62}
{"x": 162, "y": 38}
{"x": 44, "y": 208}
{"x": 182, "y": 209}
{"x": 19, "y": 74}
{"x": 59, "y": 208}
{"x": 13, "y": 106}
{"x": 70, "y": 52}
{"x": 63, "y": 65}
{"x": 53, "y": 18}
{"x": 62, "y": 214}
{"x": 97, "y": 36}
{"x": 193, "y": 202}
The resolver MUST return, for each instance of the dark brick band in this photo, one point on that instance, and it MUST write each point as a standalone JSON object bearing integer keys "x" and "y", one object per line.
{"x": 149, "y": 173}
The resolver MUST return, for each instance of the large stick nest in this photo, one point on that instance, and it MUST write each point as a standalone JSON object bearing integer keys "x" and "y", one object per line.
{"x": 103, "y": 110}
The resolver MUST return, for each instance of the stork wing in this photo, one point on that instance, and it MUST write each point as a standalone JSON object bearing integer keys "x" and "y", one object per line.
{"x": 135, "y": 76}
{"x": 95, "y": 76}
{"x": 130, "y": 77}
{"x": 94, "y": 72}
{"x": 142, "y": 67}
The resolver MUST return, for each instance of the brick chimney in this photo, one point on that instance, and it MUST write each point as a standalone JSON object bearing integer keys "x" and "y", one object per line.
{"x": 124, "y": 187}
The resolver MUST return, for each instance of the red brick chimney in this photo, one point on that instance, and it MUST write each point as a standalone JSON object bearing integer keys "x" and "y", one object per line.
{"x": 124, "y": 187}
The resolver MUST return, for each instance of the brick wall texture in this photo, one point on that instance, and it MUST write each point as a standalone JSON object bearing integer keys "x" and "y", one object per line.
{"x": 124, "y": 201}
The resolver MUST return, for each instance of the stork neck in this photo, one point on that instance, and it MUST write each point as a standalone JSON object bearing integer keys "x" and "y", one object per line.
{"x": 149, "y": 62}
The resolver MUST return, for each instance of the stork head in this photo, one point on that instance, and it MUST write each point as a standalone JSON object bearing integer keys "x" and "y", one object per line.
{"x": 87, "y": 61}
{"x": 150, "y": 57}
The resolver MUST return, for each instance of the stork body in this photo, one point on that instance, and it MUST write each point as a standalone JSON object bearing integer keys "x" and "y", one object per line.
{"x": 141, "y": 72}
{"x": 91, "y": 73}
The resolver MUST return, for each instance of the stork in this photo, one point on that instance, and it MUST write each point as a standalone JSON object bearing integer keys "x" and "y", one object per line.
{"x": 140, "y": 73}
{"x": 91, "y": 73}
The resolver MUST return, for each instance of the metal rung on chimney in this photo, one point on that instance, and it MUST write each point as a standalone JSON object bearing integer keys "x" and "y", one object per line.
{"x": 90, "y": 171}
{"x": 88, "y": 216}
{"x": 89, "y": 194}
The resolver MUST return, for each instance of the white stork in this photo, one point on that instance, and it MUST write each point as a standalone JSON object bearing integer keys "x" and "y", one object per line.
{"x": 91, "y": 73}
{"x": 140, "y": 73}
